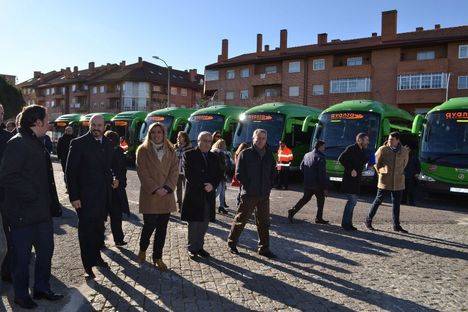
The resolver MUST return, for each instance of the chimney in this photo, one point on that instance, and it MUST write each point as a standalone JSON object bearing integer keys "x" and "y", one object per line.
{"x": 389, "y": 25}
{"x": 283, "y": 39}
{"x": 37, "y": 74}
{"x": 224, "y": 49}
{"x": 67, "y": 72}
{"x": 91, "y": 65}
{"x": 220, "y": 58}
{"x": 437, "y": 26}
{"x": 68, "y": 69}
{"x": 374, "y": 34}
{"x": 267, "y": 47}
{"x": 122, "y": 64}
{"x": 419, "y": 29}
{"x": 140, "y": 60}
{"x": 193, "y": 75}
{"x": 322, "y": 39}
{"x": 75, "y": 69}
{"x": 259, "y": 43}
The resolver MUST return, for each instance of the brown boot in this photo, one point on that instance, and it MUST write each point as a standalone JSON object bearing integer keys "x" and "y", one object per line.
{"x": 160, "y": 265}
{"x": 141, "y": 256}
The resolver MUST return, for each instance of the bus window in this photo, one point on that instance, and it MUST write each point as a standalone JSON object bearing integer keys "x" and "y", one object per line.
{"x": 300, "y": 137}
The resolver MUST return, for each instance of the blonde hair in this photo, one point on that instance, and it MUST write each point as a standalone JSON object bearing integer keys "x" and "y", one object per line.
{"x": 239, "y": 150}
{"x": 220, "y": 144}
{"x": 166, "y": 141}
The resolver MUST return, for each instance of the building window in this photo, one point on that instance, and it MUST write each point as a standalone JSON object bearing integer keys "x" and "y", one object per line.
{"x": 94, "y": 90}
{"x": 183, "y": 92}
{"x": 270, "y": 69}
{"x": 229, "y": 95}
{"x": 230, "y": 74}
{"x": 463, "y": 51}
{"x": 295, "y": 67}
{"x": 318, "y": 64}
{"x": 245, "y": 73}
{"x": 173, "y": 91}
{"x": 351, "y": 85}
{"x": 52, "y": 90}
{"x": 422, "y": 81}
{"x": 354, "y": 61}
{"x": 52, "y": 103}
{"x": 271, "y": 93}
{"x": 425, "y": 55}
{"x": 102, "y": 89}
{"x": 463, "y": 82}
{"x": 244, "y": 94}
{"x": 157, "y": 89}
{"x": 63, "y": 90}
{"x": 74, "y": 88}
{"x": 317, "y": 90}
{"x": 47, "y": 91}
{"x": 85, "y": 87}
{"x": 211, "y": 75}
{"x": 294, "y": 91}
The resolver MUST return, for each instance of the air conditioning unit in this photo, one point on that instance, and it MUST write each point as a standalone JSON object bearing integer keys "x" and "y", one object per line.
{"x": 262, "y": 76}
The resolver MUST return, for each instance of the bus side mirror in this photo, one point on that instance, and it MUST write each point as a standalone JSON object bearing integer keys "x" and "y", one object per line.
{"x": 177, "y": 123}
{"x": 307, "y": 121}
{"x": 187, "y": 127}
{"x": 418, "y": 122}
{"x": 227, "y": 124}
{"x": 386, "y": 127}
{"x": 289, "y": 125}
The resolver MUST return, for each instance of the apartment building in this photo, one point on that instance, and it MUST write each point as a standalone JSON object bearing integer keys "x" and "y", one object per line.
{"x": 112, "y": 88}
{"x": 11, "y": 79}
{"x": 413, "y": 70}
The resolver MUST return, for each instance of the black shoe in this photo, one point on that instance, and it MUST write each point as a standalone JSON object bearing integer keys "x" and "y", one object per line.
{"x": 400, "y": 229}
{"x": 27, "y": 303}
{"x": 349, "y": 227}
{"x": 291, "y": 215}
{"x": 90, "y": 273}
{"x": 233, "y": 248}
{"x": 38, "y": 295}
{"x": 7, "y": 278}
{"x": 102, "y": 264}
{"x": 203, "y": 253}
{"x": 267, "y": 254}
{"x": 192, "y": 255}
{"x": 321, "y": 221}
{"x": 225, "y": 205}
{"x": 222, "y": 210}
{"x": 369, "y": 225}
{"x": 120, "y": 244}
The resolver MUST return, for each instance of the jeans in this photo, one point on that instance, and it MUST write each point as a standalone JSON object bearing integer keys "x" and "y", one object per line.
{"x": 197, "y": 231}
{"x": 40, "y": 236}
{"x": 396, "y": 200}
{"x": 156, "y": 223}
{"x": 347, "y": 220}
{"x": 308, "y": 193}
{"x": 221, "y": 192}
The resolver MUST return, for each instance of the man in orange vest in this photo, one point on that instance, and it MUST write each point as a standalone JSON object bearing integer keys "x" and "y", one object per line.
{"x": 285, "y": 158}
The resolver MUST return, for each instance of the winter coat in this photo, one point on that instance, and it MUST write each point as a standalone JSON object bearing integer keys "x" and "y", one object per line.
{"x": 314, "y": 169}
{"x": 353, "y": 158}
{"x": 390, "y": 166}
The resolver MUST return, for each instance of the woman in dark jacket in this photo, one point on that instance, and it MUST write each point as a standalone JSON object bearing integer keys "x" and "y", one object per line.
{"x": 182, "y": 145}
{"x": 119, "y": 195}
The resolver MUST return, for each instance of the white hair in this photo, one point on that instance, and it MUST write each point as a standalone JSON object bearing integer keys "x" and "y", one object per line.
{"x": 202, "y": 134}
{"x": 258, "y": 131}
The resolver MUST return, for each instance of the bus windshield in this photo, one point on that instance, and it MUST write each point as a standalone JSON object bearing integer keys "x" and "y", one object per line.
{"x": 272, "y": 123}
{"x": 166, "y": 121}
{"x": 445, "y": 139}
{"x": 121, "y": 127}
{"x": 339, "y": 130}
{"x": 199, "y": 123}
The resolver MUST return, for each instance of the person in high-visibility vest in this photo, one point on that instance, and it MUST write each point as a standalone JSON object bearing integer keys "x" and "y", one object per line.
{"x": 285, "y": 158}
{"x": 123, "y": 144}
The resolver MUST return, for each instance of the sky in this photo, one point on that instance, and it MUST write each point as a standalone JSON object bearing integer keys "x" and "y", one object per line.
{"x": 48, "y": 34}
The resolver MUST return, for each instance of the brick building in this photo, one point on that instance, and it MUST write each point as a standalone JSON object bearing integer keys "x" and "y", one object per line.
{"x": 112, "y": 88}
{"x": 410, "y": 70}
{"x": 11, "y": 79}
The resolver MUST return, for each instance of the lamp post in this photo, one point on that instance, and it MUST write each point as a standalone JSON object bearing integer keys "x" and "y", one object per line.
{"x": 168, "y": 78}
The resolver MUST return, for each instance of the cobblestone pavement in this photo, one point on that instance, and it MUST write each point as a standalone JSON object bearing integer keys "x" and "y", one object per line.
{"x": 320, "y": 267}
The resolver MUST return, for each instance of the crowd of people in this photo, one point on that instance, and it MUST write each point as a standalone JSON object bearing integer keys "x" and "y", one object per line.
{"x": 177, "y": 177}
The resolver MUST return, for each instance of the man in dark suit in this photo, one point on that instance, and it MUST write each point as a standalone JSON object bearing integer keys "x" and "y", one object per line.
{"x": 203, "y": 174}
{"x": 90, "y": 180}
{"x": 63, "y": 145}
{"x": 30, "y": 203}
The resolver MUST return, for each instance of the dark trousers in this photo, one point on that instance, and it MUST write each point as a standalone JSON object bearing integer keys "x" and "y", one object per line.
{"x": 91, "y": 237}
{"x": 197, "y": 230}
{"x": 6, "y": 264}
{"x": 408, "y": 193}
{"x": 156, "y": 223}
{"x": 283, "y": 177}
{"x": 40, "y": 236}
{"x": 308, "y": 193}
{"x": 262, "y": 218}
{"x": 396, "y": 200}
{"x": 180, "y": 189}
{"x": 347, "y": 220}
{"x": 115, "y": 215}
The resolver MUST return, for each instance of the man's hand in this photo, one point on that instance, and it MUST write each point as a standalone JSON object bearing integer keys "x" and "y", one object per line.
{"x": 208, "y": 187}
{"x": 76, "y": 204}
{"x": 115, "y": 184}
{"x": 161, "y": 192}
{"x": 353, "y": 173}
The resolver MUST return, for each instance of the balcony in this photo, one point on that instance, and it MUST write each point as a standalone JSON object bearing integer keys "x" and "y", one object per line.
{"x": 80, "y": 92}
{"x": 113, "y": 94}
{"x": 439, "y": 65}
{"x": 338, "y": 72}
{"x": 266, "y": 79}
{"x": 420, "y": 96}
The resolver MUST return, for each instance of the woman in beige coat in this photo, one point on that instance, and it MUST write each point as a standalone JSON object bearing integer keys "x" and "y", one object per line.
{"x": 158, "y": 170}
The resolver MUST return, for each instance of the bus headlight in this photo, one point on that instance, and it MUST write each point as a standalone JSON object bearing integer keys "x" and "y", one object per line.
{"x": 368, "y": 173}
{"x": 426, "y": 178}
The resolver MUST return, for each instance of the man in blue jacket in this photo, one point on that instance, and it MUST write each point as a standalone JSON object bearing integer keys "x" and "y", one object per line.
{"x": 313, "y": 167}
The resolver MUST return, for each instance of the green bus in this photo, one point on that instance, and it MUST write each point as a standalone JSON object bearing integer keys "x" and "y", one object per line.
{"x": 444, "y": 147}
{"x": 175, "y": 119}
{"x": 84, "y": 122}
{"x": 59, "y": 125}
{"x": 339, "y": 124}
{"x": 291, "y": 123}
{"x": 221, "y": 118}
{"x": 128, "y": 125}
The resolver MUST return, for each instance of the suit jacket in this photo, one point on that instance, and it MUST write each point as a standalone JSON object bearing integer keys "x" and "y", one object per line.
{"x": 198, "y": 172}
{"x": 89, "y": 173}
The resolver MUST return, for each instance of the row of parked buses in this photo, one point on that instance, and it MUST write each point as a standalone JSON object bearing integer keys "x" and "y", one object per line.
{"x": 442, "y": 133}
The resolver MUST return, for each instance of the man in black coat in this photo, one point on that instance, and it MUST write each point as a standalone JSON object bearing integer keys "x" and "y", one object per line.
{"x": 203, "y": 174}
{"x": 30, "y": 203}
{"x": 63, "y": 145}
{"x": 255, "y": 170}
{"x": 353, "y": 160}
{"x": 316, "y": 182}
{"x": 90, "y": 179}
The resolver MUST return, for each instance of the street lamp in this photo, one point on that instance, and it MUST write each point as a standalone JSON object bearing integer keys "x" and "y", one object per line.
{"x": 168, "y": 78}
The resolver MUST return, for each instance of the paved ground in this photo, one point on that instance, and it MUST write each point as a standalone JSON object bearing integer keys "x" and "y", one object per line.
{"x": 320, "y": 268}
